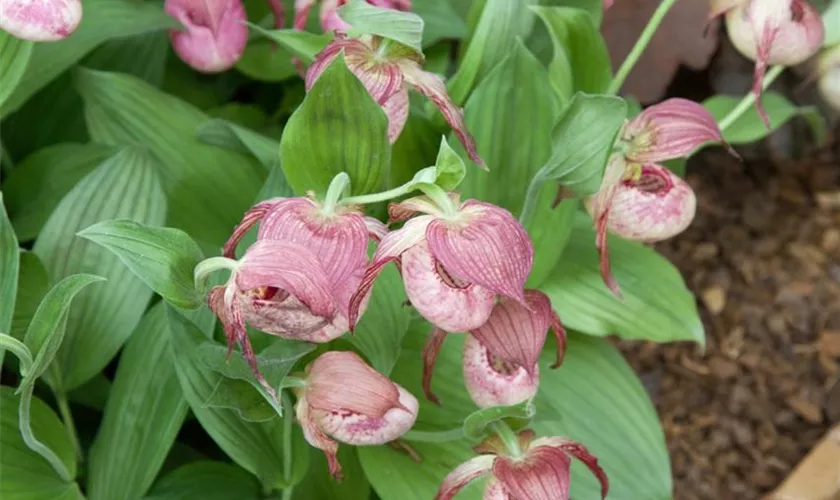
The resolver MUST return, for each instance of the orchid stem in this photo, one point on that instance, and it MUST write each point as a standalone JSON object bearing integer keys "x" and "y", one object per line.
{"x": 288, "y": 418}
{"x": 338, "y": 186}
{"x": 292, "y": 381}
{"x": 208, "y": 266}
{"x": 639, "y": 48}
{"x": 377, "y": 197}
{"x": 508, "y": 437}
{"x": 749, "y": 99}
{"x": 31, "y": 441}
{"x": 67, "y": 418}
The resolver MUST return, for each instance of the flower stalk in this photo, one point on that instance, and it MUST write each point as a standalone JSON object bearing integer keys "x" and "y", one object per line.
{"x": 749, "y": 99}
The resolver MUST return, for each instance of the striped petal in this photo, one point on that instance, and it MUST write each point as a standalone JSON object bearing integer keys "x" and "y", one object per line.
{"x": 215, "y": 33}
{"x": 578, "y": 451}
{"x": 465, "y": 473}
{"x": 492, "y": 381}
{"x": 251, "y": 217}
{"x": 543, "y": 473}
{"x": 362, "y": 430}
{"x": 40, "y": 20}
{"x": 316, "y": 437}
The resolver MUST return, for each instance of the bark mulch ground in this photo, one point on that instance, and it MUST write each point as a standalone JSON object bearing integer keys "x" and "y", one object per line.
{"x": 763, "y": 257}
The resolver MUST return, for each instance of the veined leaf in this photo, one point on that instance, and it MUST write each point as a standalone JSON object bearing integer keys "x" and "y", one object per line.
{"x": 235, "y": 137}
{"x": 33, "y": 284}
{"x": 208, "y": 481}
{"x": 403, "y": 27}
{"x": 9, "y": 267}
{"x": 14, "y": 57}
{"x": 440, "y": 21}
{"x": 303, "y": 44}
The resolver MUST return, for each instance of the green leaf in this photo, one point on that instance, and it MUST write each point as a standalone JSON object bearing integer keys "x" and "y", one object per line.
{"x": 225, "y": 134}
{"x": 516, "y": 416}
{"x": 501, "y": 23}
{"x": 42, "y": 179}
{"x": 750, "y": 128}
{"x": 318, "y": 484}
{"x": 594, "y": 398}
{"x": 14, "y": 57}
{"x": 164, "y": 258}
{"x": 440, "y": 21}
{"x": 208, "y": 188}
{"x": 549, "y": 228}
{"x": 47, "y": 328}
{"x": 142, "y": 417}
{"x": 338, "y": 128}
{"x": 656, "y": 306}
{"x": 124, "y": 186}
{"x": 103, "y": 20}
{"x": 582, "y": 142}
{"x": 256, "y": 447}
{"x": 303, "y": 44}
{"x": 143, "y": 56}
{"x": 265, "y": 61}
{"x": 32, "y": 285}
{"x": 208, "y": 481}
{"x": 403, "y": 27}
{"x": 511, "y": 114}
{"x": 9, "y": 271}
{"x": 449, "y": 167}
{"x": 581, "y": 61}
{"x": 92, "y": 394}
{"x": 24, "y": 474}
{"x": 413, "y": 150}
{"x": 241, "y": 397}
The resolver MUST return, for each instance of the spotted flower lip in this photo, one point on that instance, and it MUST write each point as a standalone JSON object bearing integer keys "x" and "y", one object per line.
{"x": 387, "y": 69}
{"x": 330, "y": 21}
{"x": 541, "y": 472}
{"x": 214, "y": 35}
{"x": 42, "y": 20}
{"x": 345, "y": 400}
{"x": 771, "y": 32}
{"x": 454, "y": 265}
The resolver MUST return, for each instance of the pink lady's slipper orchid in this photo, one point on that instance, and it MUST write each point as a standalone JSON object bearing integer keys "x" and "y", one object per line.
{"x": 501, "y": 356}
{"x": 829, "y": 76}
{"x": 539, "y": 470}
{"x": 771, "y": 32}
{"x": 40, "y": 20}
{"x": 346, "y": 400}
{"x": 639, "y": 199}
{"x": 214, "y": 35}
{"x": 387, "y": 69}
{"x": 329, "y": 12}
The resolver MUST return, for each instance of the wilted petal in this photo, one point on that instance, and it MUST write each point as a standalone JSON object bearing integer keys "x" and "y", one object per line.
{"x": 448, "y": 303}
{"x": 251, "y": 217}
{"x": 316, "y": 437}
{"x": 430, "y": 85}
{"x": 769, "y": 32}
{"x": 40, "y": 20}
{"x": 215, "y": 35}
{"x": 543, "y": 473}
{"x": 431, "y": 350}
{"x": 493, "y": 381}
{"x": 487, "y": 247}
{"x": 396, "y": 108}
{"x": 465, "y": 473}
{"x": 670, "y": 129}
{"x": 341, "y": 381}
{"x": 302, "y": 8}
{"x": 578, "y": 451}
{"x": 406, "y": 209}
{"x": 362, "y": 430}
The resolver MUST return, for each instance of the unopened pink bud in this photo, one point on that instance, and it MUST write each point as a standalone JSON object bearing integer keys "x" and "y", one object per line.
{"x": 214, "y": 35}
{"x": 40, "y": 20}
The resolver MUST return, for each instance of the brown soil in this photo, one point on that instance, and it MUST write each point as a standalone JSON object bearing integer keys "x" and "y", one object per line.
{"x": 763, "y": 257}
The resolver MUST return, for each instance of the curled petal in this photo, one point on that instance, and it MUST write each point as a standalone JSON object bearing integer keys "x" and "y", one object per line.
{"x": 324, "y": 58}
{"x": 361, "y": 430}
{"x": 580, "y": 452}
{"x": 341, "y": 381}
{"x": 251, "y": 217}
{"x": 390, "y": 248}
{"x": 289, "y": 267}
{"x": 488, "y": 247}
{"x": 670, "y": 129}
{"x": 376, "y": 229}
{"x": 316, "y": 437}
{"x": 302, "y": 8}
{"x": 465, "y": 473}
{"x": 433, "y": 87}
{"x": 215, "y": 35}
{"x": 492, "y": 381}
{"x": 431, "y": 349}
{"x": 544, "y": 473}
{"x": 447, "y": 303}
{"x": 42, "y": 20}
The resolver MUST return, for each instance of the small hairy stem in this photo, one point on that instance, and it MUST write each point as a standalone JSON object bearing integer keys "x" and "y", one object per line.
{"x": 641, "y": 45}
{"x": 30, "y": 440}
{"x": 508, "y": 437}
{"x": 288, "y": 418}
{"x": 338, "y": 186}
{"x": 749, "y": 99}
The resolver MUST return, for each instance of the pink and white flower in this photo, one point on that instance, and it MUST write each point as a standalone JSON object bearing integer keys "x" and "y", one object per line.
{"x": 329, "y": 12}
{"x": 771, "y": 32}
{"x": 40, "y": 20}
{"x": 387, "y": 69}
{"x": 345, "y": 400}
{"x": 215, "y": 33}
{"x": 639, "y": 199}
{"x": 542, "y": 471}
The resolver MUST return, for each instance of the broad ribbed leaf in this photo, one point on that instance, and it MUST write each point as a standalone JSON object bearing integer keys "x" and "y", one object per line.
{"x": 413, "y": 151}
{"x": 318, "y": 483}
{"x": 14, "y": 56}
{"x": 225, "y": 134}
{"x": 594, "y": 398}
{"x": 142, "y": 417}
{"x": 143, "y": 56}
{"x": 403, "y": 27}
{"x": 549, "y": 229}
{"x": 511, "y": 114}
{"x": 656, "y": 306}
{"x": 303, "y": 44}
{"x": 33, "y": 190}
{"x": 124, "y": 186}
{"x": 9, "y": 267}
{"x": 256, "y": 447}
{"x": 208, "y": 188}
{"x": 440, "y": 21}
{"x": 164, "y": 258}
{"x": 33, "y": 283}
{"x": 207, "y": 480}
{"x": 25, "y": 475}
{"x": 103, "y": 20}
{"x": 338, "y": 128}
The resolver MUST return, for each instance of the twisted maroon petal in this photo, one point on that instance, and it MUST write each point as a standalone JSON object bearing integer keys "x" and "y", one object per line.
{"x": 544, "y": 473}
{"x": 251, "y": 217}
{"x": 431, "y": 349}
{"x": 578, "y": 451}
{"x": 465, "y": 473}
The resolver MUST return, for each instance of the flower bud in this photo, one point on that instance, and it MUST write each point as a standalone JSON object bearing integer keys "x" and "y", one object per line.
{"x": 829, "y": 77}
{"x": 346, "y": 400}
{"x": 214, "y": 35}
{"x": 40, "y": 20}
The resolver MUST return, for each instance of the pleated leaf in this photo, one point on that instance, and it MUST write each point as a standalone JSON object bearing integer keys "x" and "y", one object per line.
{"x": 440, "y": 21}
{"x": 208, "y": 188}
{"x": 225, "y": 134}
{"x": 403, "y": 27}
{"x": 124, "y": 186}
{"x": 33, "y": 284}
{"x": 142, "y": 416}
{"x": 208, "y": 481}
{"x": 14, "y": 56}
{"x": 9, "y": 270}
